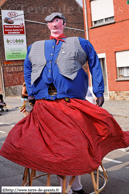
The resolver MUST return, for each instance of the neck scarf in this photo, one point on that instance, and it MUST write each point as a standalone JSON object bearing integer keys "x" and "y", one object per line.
{"x": 59, "y": 38}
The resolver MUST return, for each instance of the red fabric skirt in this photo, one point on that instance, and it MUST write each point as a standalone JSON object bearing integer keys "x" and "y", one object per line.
{"x": 64, "y": 138}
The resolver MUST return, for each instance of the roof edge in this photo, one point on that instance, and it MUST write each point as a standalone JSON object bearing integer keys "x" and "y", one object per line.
{"x": 78, "y": 4}
{"x": 2, "y": 3}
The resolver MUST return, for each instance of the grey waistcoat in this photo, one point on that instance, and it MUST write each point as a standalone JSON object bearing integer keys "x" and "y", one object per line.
{"x": 70, "y": 58}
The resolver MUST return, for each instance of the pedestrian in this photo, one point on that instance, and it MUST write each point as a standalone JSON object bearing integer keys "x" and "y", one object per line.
{"x": 2, "y": 104}
{"x": 24, "y": 96}
{"x": 64, "y": 134}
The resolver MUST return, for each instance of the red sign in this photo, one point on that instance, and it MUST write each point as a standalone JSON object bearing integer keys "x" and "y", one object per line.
{"x": 14, "y": 29}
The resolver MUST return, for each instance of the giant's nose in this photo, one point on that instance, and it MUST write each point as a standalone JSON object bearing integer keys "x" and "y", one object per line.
{"x": 54, "y": 23}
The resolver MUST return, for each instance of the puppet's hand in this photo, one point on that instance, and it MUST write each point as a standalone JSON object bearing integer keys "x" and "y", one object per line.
{"x": 100, "y": 101}
{"x": 31, "y": 99}
{"x": 28, "y": 107}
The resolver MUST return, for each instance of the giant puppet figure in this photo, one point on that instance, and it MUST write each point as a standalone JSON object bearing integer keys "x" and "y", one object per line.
{"x": 64, "y": 134}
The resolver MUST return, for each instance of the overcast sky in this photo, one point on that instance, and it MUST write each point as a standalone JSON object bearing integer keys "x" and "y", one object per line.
{"x": 79, "y": 1}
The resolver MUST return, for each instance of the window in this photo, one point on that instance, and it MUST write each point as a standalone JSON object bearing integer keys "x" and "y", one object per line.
{"x": 102, "y": 12}
{"x": 122, "y": 62}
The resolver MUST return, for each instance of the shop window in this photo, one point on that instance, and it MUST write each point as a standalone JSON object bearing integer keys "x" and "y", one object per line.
{"x": 102, "y": 12}
{"x": 122, "y": 63}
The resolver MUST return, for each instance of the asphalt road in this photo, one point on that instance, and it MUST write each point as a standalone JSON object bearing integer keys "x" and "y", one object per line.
{"x": 116, "y": 162}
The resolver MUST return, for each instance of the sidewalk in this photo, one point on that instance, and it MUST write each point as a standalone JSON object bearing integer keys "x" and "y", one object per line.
{"x": 13, "y": 115}
{"x": 117, "y": 107}
{"x": 13, "y": 102}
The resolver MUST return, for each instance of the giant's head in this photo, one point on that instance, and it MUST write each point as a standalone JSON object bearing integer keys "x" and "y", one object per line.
{"x": 56, "y": 22}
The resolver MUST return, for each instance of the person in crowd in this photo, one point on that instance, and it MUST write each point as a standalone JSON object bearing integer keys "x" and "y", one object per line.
{"x": 24, "y": 96}
{"x": 2, "y": 104}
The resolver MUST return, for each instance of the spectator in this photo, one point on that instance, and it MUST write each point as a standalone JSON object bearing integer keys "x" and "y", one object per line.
{"x": 24, "y": 96}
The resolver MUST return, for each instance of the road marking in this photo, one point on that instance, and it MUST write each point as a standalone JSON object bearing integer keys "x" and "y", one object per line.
{"x": 2, "y": 132}
{"x": 123, "y": 150}
{"x": 111, "y": 160}
{"x": 7, "y": 124}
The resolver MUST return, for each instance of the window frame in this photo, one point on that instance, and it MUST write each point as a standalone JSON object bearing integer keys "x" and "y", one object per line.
{"x": 122, "y": 66}
{"x": 104, "y": 20}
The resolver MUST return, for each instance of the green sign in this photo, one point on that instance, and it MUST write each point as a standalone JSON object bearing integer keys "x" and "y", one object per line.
{"x": 127, "y": 2}
{"x": 15, "y": 47}
{"x": 17, "y": 54}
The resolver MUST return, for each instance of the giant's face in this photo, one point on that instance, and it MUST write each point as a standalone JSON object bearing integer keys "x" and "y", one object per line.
{"x": 56, "y": 26}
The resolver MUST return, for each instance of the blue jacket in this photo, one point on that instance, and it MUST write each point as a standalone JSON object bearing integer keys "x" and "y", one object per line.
{"x": 76, "y": 88}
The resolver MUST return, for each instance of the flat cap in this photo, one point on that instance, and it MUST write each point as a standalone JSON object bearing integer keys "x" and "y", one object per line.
{"x": 49, "y": 18}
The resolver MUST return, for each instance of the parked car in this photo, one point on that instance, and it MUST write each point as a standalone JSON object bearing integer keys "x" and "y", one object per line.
{"x": 8, "y": 20}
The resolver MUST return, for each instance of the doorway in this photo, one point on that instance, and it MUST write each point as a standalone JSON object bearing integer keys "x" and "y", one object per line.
{"x": 104, "y": 71}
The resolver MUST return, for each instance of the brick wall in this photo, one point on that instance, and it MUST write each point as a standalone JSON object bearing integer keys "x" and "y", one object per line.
{"x": 110, "y": 39}
{"x": 1, "y": 87}
{"x": 13, "y": 76}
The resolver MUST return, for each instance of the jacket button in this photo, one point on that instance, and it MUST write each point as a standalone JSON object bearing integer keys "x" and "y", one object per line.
{"x": 67, "y": 99}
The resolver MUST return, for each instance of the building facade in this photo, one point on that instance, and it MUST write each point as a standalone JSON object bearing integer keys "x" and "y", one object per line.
{"x": 108, "y": 31}
{"x": 35, "y": 11}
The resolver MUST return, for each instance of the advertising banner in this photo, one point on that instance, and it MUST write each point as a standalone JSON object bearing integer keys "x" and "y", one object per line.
{"x": 15, "y": 47}
{"x": 14, "y": 34}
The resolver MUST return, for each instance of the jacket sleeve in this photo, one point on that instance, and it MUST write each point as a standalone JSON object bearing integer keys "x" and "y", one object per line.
{"x": 27, "y": 73}
{"x": 94, "y": 66}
